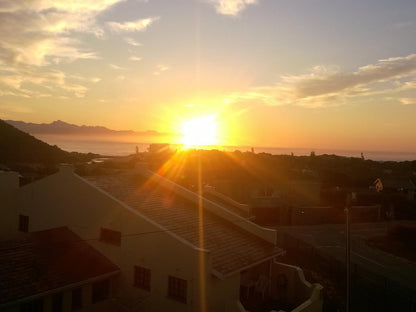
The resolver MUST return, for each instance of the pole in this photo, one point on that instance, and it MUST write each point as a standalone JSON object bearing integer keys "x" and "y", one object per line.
{"x": 347, "y": 251}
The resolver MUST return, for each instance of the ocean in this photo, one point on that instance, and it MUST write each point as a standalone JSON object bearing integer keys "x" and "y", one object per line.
{"x": 117, "y": 148}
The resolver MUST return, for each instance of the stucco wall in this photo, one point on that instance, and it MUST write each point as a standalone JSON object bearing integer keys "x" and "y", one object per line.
{"x": 65, "y": 199}
{"x": 9, "y": 183}
{"x": 294, "y": 288}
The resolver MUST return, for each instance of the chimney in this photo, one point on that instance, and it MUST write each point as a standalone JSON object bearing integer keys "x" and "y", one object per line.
{"x": 9, "y": 181}
{"x": 66, "y": 169}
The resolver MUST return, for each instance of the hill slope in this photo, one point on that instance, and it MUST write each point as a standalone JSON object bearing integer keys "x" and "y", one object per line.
{"x": 19, "y": 147}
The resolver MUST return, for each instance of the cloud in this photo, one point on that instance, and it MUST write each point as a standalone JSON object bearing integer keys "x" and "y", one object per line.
{"x": 27, "y": 83}
{"x": 328, "y": 85}
{"x": 132, "y": 42}
{"x": 408, "y": 101}
{"x": 137, "y": 25}
{"x": 38, "y": 32}
{"x": 160, "y": 68}
{"x": 135, "y": 58}
{"x": 231, "y": 7}
{"x": 37, "y": 35}
{"x": 114, "y": 66}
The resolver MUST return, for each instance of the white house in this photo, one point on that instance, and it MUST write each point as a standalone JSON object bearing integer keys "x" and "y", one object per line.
{"x": 175, "y": 250}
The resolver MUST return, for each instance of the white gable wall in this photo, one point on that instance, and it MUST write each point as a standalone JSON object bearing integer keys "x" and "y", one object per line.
{"x": 65, "y": 199}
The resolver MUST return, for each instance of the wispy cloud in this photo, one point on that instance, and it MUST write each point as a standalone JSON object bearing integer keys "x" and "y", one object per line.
{"x": 160, "y": 68}
{"x": 40, "y": 32}
{"x": 231, "y": 7}
{"x": 41, "y": 84}
{"x": 326, "y": 86}
{"x": 135, "y": 58}
{"x": 137, "y": 25}
{"x": 114, "y": 66}
{"x": 37, "y": 35}
{"x": 132, "y": 42}
{"x": 408, "y": 101}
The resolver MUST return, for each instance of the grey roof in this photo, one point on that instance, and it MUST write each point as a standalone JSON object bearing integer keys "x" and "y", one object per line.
{"x": 232, "y": 248}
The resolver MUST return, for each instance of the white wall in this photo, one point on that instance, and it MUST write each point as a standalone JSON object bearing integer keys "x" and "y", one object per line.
{"x": 65, "y": 199}
{"x": 9, "y": 183}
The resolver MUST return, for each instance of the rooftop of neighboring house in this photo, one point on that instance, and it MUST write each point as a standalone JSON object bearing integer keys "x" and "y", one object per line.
{"x": 398, "y": 183}
{"x": 37, "y": 262}
{"x": 232, "y": 248}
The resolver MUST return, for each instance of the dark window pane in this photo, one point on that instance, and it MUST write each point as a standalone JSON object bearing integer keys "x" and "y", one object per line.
{"x": 142, "y": 277}
{"x": 177, "y": 288}
{"x": 76, "y": 299}
{"x": 57, "y": 300}
{"x": 110, "y": 236}
{"x": 100, "y": 290}
{"x": 23, "y": 223}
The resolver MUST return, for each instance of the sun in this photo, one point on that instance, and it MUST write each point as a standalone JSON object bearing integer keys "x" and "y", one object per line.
{"x": 200, "y": 131}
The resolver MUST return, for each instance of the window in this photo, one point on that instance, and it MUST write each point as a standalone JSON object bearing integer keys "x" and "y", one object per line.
{"x": 23, "y": 223}
{"x": 142, "y": 278}
{"x": 110, "y": 236}
{"x": 100, "y": 290}
{"x": 177, "y": 288}
{"x": 32, "y": 306}
{"x": 76, "y": 303}
{"x": 57, "y": 300}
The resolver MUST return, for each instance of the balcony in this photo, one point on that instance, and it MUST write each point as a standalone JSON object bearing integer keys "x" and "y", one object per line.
{"x": 276, "y": 286}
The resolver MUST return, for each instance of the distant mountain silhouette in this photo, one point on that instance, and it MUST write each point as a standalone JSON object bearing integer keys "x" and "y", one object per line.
{"x": 62, "y": 128}
{"x": 17, "y": 146}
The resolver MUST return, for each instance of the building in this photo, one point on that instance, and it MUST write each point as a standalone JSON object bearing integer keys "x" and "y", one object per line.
{"x": 175, "y": 250}
{"x": 54, "y": 270}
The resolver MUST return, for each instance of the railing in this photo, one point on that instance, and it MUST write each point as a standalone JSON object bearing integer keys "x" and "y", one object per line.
{"x": 289, "y": 285}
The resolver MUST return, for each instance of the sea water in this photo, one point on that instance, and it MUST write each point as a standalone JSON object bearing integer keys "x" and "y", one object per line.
{"x": 119, "y": 148}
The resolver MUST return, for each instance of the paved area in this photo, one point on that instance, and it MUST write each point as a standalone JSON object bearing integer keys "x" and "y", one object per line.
{"x": 330, "y": 240}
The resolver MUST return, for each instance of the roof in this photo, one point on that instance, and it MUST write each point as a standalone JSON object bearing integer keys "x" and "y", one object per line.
{"x": 231, "y": 247}
{"x": 37, "y": 262}
{"x": 398, "y": 183}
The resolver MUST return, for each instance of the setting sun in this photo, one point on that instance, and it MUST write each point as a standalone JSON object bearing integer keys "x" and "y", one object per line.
{"x": 200, "y": 131}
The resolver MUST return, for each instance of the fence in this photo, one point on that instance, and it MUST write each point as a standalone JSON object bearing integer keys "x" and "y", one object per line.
{"x": 371, "y": 290}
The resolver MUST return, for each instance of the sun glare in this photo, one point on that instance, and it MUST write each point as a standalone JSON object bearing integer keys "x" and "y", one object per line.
{"x": 200, "y": 131}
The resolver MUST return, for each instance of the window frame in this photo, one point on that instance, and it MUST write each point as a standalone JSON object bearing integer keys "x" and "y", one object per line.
{"x": 109, "y": 236}
{"x": 57, "y": 302}
{"x": 177, "y": 289}
{"x": 78, "y": 304}
{"x": 23, "y": 223}
{"x": 100, "y": 291}
{"x": 142, "y": 277}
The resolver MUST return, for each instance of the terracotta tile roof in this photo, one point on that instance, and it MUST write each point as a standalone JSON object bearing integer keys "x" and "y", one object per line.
{"x": 232, "y": 248}
{"x": 36, "y": 262}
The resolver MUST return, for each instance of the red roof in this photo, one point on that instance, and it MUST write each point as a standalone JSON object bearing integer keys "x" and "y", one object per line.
{"x": 232, "y": 248}
{"x": 36, "y": 262}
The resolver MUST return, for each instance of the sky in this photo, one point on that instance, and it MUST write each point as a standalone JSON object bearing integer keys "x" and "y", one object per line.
{"x": 334, "y": 74}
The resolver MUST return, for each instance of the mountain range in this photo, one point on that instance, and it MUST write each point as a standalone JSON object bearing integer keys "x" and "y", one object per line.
{"x": 18, "y": 147}
{"x": 59, "y": 127}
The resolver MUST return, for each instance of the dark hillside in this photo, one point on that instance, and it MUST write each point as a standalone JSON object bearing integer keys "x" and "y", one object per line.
{"x": 19, "y": 147}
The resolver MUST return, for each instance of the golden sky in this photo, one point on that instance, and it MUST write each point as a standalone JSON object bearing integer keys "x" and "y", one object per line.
{"x": 318, "y": 74}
